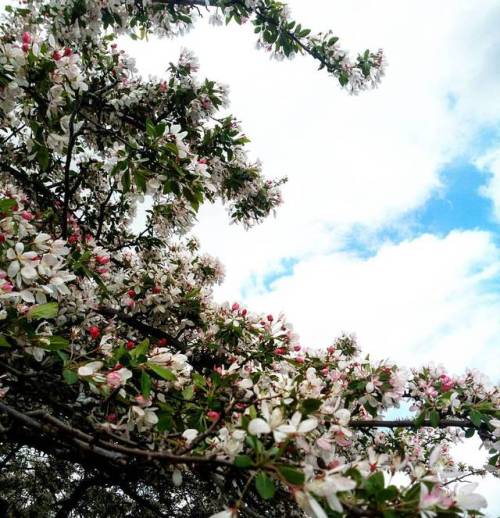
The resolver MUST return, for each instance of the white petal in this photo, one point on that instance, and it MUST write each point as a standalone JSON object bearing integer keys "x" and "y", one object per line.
{"x": 13, "y": 269}
{"x": 308, "y": 425}
{"x": 258, "y": 426}
{"x": 27, "y": 296}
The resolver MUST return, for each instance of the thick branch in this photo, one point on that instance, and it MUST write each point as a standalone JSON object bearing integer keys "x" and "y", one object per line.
{"x": 410, "y": 423}
{"x": 140, "y": 326}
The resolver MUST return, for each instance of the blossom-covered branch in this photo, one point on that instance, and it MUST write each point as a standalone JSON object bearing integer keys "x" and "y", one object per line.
{"x": 113, "y": 353}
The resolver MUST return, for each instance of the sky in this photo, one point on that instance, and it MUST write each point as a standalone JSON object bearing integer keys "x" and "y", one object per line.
{"x": 391, "y": 216}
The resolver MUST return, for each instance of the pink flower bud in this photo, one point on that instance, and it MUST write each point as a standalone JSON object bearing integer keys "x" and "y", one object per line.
{"x": 280, "y": 351}
{"x": 297, "y": 347}
{"x": 243, "y": 312}
{"x": 57, "y": 55}
{"x": 235, "y": 307}
{"x": 68, "y": 52}
{"x": 113, "y": 379}
{"x": 299, "y": 359}
{"x": 27, "y": 215}
{"x": 94, "y": 332}
{"x": 142, "y": 401}
{"x": 102, "y": 259}
{"x": 26, "y": 37}
{"x": 7, "y": 287}
{"x": 270, "y": 318}
{"x": 26, "y": 47}
{"x": 213, "y": 415}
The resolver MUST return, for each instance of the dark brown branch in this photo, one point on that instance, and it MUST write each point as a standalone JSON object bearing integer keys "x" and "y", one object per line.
{"x": 69, "y": 156}
{"x": 146, "y": 329}
{"x": 410, "y": 423}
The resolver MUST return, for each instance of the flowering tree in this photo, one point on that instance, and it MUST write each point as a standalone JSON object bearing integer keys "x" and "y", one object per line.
{"x": 118, "y": 369}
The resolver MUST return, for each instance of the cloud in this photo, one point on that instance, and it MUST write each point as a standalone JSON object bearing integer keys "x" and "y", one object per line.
{"x": 490, "y": 162}
{"x": 421, "y": 300}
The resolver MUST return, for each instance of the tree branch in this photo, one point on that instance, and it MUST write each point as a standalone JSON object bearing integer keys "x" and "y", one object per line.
{"x": 146, "y": 329}
{"x": 410, "y": 423}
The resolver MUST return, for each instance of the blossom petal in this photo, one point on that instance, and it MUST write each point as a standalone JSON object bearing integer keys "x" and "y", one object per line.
{"x": 258, "y": 426}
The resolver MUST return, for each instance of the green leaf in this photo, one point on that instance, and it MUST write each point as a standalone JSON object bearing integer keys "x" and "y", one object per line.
{"x": 164, "y": 373}
{"x": 292, "y": 475}
{"x": 150, "y": 128}
{"x": 434, "y": 418}
{"x": 475, "y": 418}
{"x": 55, "y": 343}
{"x": 469, "y": 432}
{"x": 70, "y": 376}
{"x": 43, "y": 157}
{"x": 140, "y": 180}
{"x": 4, "y": 342}
{"x": 419, "y": 421}
{"x": 43, "y": 311}
{"x": 310, "y": 405}
{"x": 140, "y": 350}
{"x": 126, "y": 181}
{"x": 198, "y": 380}
{"x": 188, "y": 392}
{"x": 243, "y": 461}
{"x": 264, "y": 485}
{"x": 375, "y": 483}
{"x": 6, "y": 204}
{"x": 146, "y": 384}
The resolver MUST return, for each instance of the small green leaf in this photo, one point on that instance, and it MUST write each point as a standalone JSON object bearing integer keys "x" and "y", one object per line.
{"x": 475, "y": 418}
{"x": 434, "y": 418}
{"x": 55, "y": 343}
{"x": 198, "y": 380}
{"x": 419, "y": 420}
{"x": 4, "y": 342}
{"x": 310, "y": 405}
{"x": 6, "y": 204}
{"x": 140, "y": 350}
{"x": 43, "y": 157}
{"x": 70, "y": 376}
{"x": 470, "y": 433}
{"x": 43, "y": 311}
{"x": 146, "y": 384}
{"x": 140, "y": 180}
{"x": 243, "y": 461}
{"x": 264, "y": 485}
{"x": 375, "y": 483}
{"x": 292, "y": 475}
{"x": 164, "y": 373}
{"x": 126, "y": 181}
{"x": 188, "y": 392}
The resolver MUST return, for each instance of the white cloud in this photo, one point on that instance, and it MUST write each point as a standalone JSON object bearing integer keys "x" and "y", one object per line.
{"x": 418, "y": 301}
{"x": 490, "y": 162}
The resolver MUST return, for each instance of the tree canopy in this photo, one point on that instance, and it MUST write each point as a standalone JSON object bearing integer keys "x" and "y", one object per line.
{"x": 124, "y": 386}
